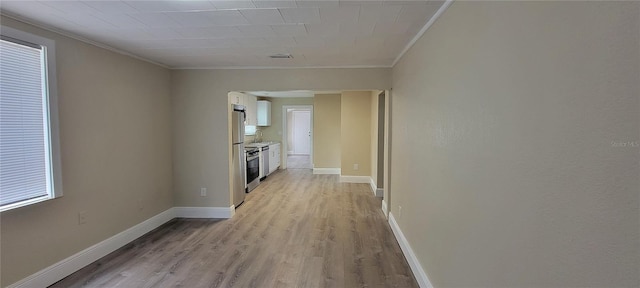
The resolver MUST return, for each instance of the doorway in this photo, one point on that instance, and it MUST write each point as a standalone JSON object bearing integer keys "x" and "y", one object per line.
{"x": 298, "y": 137}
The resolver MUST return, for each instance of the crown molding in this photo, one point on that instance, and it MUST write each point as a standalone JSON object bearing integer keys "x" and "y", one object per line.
{"x": 279, "y": 67}
{"x": 424, "y": 29}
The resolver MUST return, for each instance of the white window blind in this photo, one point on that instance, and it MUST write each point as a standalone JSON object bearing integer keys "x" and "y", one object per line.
{"x": 25, "y": 170}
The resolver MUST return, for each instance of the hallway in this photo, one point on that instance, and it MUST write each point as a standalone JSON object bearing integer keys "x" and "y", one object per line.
{"x": 295, "y": 230}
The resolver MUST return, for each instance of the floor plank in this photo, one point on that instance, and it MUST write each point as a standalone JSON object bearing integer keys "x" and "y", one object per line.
{"x": 295, "y": 230}
{"x": 298, "y": 162}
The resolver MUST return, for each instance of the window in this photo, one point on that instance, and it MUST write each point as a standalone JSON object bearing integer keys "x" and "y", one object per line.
{"x": 29, "y": 149}
{"x": 249, "y": 130}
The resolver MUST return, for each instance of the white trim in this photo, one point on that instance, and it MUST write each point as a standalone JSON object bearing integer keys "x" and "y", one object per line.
{"x": 373, "y": 186}
{"x": 80, "y": 38}
{"x": 66, "y": 267}
{"x": 205, "y": 212}
{"x": 327, "y": 171}
{"x": 50, "y": 115}
{"x": 56, "y": 272}
{"x": 355, "y": 179}
{"x": 424, "y": 29}
{"x": 378, "y": 192}
{"x": 411, "y": 257}
{"x": 280, "y": 67}
{"x": 384, "y": 209}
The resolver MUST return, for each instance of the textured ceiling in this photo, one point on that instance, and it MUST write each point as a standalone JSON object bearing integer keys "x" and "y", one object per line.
{"x": 207, "y": 34}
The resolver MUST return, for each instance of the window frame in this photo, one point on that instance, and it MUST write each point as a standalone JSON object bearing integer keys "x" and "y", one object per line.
{"x": 50, "y": 103}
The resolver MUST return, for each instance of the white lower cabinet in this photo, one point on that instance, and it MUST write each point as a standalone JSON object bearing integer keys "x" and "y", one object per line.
{"x": 274, "y": 157}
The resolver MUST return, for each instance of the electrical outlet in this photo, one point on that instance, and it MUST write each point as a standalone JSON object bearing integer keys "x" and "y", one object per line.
{"x": 203, "y": 192}
{"x": 82, "y": 217}
{"x": 399, "y": 211}
{"x": 356, "y": 166}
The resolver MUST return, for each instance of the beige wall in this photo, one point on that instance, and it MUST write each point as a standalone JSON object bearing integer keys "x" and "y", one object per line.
{"x": 201, "y": 119}
{"x": 326, "y": 130}
{"x": 508, "y": 119}
{"x": 355, "y": 137}
{"x": 114, "y": 114}
{"x": 289, "y": 133}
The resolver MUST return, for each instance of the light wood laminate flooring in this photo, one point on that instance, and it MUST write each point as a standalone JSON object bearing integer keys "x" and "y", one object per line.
{"x": 295, "y": 230}
{"x": 298, "y": 162}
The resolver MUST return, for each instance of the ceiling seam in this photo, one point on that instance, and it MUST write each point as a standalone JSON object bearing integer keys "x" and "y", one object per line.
{"x": 82, "y": 39}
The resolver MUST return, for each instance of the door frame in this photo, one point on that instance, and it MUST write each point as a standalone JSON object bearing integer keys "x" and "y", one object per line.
{"x": 387, "y": 194}
{"x": 284, "y": 151}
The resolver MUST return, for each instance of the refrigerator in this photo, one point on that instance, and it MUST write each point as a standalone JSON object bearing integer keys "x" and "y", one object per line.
{"x": 239, "y": 162}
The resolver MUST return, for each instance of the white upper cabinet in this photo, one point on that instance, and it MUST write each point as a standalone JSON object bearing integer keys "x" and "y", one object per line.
{"x": 264, "y": 113}
{"x": 251, "y": 102}
{"x": 236, "y": 98}
{"x": 250, "y": 105}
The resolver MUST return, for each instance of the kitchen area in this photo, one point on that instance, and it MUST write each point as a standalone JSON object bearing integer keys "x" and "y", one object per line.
{"x": 253, "y": 158}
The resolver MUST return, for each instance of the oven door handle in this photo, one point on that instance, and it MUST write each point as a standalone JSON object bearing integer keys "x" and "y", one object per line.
{"x": 249, "y": 158}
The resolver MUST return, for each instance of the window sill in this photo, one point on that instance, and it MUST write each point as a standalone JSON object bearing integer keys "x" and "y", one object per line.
{"x": 25, "y": 203}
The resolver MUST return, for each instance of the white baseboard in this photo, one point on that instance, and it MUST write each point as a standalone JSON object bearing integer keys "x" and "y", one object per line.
{"x": 373, "y": 186}
{"x": 66, "y": 267}
{"x": 418, "y": 272}
{"x": 355, "y": 179}
{"x": 205, "y": 212}
{"x": 384, "y": 209}
{"x": 378, "y": 192}
{"x": 327, "y": 171}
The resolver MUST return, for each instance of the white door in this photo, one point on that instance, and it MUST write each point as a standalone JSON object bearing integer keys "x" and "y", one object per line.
{"x": 301, "y": 132}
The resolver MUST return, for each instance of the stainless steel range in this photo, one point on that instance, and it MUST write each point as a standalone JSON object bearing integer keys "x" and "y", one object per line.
{"x": 253, "y": 168}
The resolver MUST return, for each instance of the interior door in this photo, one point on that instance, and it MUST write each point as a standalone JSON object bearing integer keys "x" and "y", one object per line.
{"x": 301, "y": 132}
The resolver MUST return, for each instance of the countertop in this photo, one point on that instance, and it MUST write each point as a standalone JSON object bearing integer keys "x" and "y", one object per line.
{"x": 260, "y": 144}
